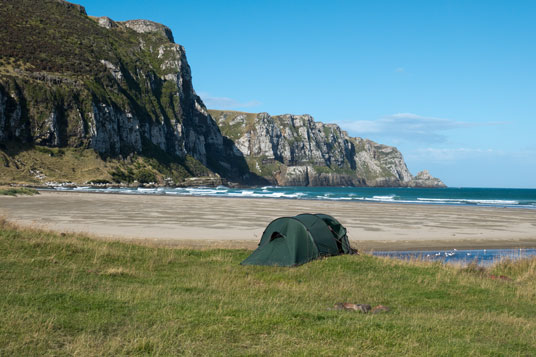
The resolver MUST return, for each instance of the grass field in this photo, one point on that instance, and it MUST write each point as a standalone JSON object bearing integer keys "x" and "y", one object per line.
{"x": 14, "y": 191}
{"x": 63, "y": 294}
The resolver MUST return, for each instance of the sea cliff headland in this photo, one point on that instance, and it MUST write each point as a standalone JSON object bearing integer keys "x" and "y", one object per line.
{"x": 88, "y": 100}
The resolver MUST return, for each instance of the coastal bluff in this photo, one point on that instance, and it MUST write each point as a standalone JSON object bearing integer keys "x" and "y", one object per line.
{"x": 117, "y": 99}
{"x": 296, "y": 150}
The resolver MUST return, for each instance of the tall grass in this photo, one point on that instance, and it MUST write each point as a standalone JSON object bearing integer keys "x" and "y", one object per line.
{"x": 72, "y": 295}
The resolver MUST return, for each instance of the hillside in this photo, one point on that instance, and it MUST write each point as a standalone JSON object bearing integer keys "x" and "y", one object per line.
{"x": 122, "y": 89}
{"x": 87, "y": 99}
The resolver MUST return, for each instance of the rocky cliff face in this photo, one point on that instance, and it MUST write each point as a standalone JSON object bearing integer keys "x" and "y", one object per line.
{"x": 296, "y": 150}
{"x": 130, "y": 93}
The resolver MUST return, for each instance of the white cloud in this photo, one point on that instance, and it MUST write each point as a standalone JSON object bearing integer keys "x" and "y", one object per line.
{"x": 451, "y": 154}
{"x": 410, "y": 127}
{"x": 400, "y": 70}
{"x": 225, "y": 102}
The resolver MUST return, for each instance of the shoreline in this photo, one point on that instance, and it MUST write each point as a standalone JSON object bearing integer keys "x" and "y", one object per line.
{"x": 225, "y": 222}
{"x": 283, "y": 193}
{"x": 261, "y": 192}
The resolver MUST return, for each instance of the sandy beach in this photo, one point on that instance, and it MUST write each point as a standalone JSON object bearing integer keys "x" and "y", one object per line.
{"x": 239, "y": 222}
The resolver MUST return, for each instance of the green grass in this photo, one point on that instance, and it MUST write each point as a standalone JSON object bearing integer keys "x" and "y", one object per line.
{"x": 18, "y": 191}
{"x": 71, "y": 295}
{"x": 36, "y": 165}
{"x": 22, "y": 164}
{"x": 237, "y": 130}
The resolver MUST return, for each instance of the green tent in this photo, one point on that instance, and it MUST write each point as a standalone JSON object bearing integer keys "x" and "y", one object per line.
{"x": 289, "y": 241}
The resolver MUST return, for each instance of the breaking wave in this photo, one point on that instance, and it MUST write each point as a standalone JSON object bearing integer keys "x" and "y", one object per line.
{"x": 521, "y": 198}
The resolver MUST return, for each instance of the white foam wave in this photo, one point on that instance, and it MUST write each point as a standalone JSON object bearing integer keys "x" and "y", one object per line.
{"x": 205, "y": 191}
{"x": 292, "y": 193}
{"x": 59, "y": 188}
{"x": 81, "y": 188}
{"x": 390, "y": 198}
{"x": 263, "y": 194}
{"x": 468, "y": 201}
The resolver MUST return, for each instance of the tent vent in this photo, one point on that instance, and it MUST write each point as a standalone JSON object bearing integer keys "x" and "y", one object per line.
{"x": 275, "y": 235}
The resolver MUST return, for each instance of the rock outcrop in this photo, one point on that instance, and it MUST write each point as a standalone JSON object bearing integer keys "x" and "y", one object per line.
{"x": 146, "y": 26}
{"x": 298, "y": 151}
{"x": 424, "y": 179}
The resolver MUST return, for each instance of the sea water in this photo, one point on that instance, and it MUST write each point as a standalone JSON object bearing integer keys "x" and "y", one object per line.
{"x": 482, "y": 257}
{"x": 489, "y": 197}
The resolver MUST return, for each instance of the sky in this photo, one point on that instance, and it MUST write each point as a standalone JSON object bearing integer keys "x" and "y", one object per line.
{"x": 451, "y": 84}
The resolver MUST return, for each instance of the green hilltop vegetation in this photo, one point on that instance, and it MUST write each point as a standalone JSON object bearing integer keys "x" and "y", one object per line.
{"x": 54, "y": 51}
{"x": 234, "y": 130}
{"x": 65, "y": 294}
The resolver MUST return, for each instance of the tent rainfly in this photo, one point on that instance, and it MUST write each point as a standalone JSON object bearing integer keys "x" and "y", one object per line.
{"x": 290, "y": 241}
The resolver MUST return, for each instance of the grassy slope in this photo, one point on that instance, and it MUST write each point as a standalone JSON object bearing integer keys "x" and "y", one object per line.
{"x": 20, "y": 164}
{"x": 10, "y": 191}
{"x": 65, "y": 294}
{"x": 65, "y": 164}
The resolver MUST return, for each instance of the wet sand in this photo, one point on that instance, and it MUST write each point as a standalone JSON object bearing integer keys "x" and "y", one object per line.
{"x": 204, "y": 222}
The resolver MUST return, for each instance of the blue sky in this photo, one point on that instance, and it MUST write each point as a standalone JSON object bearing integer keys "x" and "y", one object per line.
{"x": 452, "y": 84}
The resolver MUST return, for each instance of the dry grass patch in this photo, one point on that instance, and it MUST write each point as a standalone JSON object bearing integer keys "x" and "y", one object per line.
{"x": 118, "y": 271}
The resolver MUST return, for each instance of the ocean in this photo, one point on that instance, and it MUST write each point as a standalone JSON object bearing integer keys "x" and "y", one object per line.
{"x": 487, "y": 197}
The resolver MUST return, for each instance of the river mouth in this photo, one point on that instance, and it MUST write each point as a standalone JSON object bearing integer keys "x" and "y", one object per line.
{"x": 481, "y": 257}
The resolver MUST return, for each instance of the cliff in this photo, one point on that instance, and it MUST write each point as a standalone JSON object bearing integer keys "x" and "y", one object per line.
{"x": 72, "y": 85}
{"x": 120, "y": 88}
{"x": 296, "y": 150}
